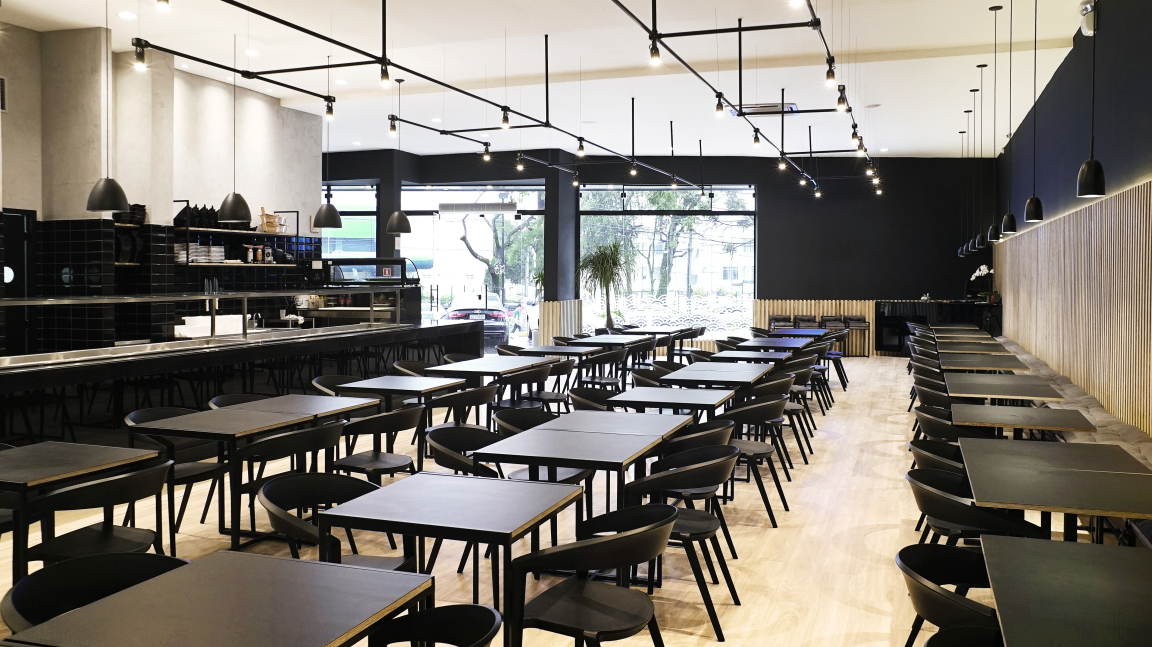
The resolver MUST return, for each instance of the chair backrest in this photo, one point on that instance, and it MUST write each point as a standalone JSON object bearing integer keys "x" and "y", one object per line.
{"x": 476, "y": 397}
{"x": 291, "y": 443}
{"x": 777, "y": 384}
{"x": 640, "y": 535}
{"x": 128, "y": 487}
{"x": 666, "y": 366}
{"x": 757, "y": 412}
{"x": 510, "y": 422}
{"x": 585, "y": 398}
{"x": 646, "y": 346}
{"x": 936, "y": 426}
{"x": 695, "y": 468}
{"x": 934, "y": 398}
{"x": 705, "y": 434}
{"x": 725, "y": 345}
{"x": 452, "y": 358}
{"x": 459, "y": 625}
{"x": 928, "y": 567}
{"x": 928, "y": 383}
{"x": 293, "y": 491}
{"x": 230, "y": 399}
{"x": 804, "y": 321}
{"x": 450, "y": 447}
{"x": 698, "y": 355}
{"x": 800, "y": 376}
{"x": 937, "y": 455}
{"x": 142, "y": 416}
{"x": 508, "y": 349}
{"x": 561, "y": 368}
{"x": 537, "y": 375}
{"x": 581, "y": 335}
{"x": 946, "y": 496}
{"x": 388, "y": 423}
{"x": 610, "y": 357}
{"x": 410, "y": 367}
{"x": 326, "y": 384}
{"x": 561, "y": 340}
{"x": 647, "y": 377}
{"x": 61, "y": 587}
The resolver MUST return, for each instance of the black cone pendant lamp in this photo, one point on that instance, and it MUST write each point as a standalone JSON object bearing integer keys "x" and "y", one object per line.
{"x": 1034, "y": 210}
{"x": 1090, "y": 180}
{"x": 107, "y": 194}
{"x": 327, "y": 216}
{"x": 398, "y": 221}
{"x": 235, "y": 207}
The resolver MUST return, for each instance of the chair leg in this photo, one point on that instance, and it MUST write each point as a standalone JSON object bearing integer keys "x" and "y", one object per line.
{"x": 921, "y": 521}
{"x": 755, "y": 469}
{"x": 703, "y": 586}
{"x": 208, "y": 501}
{"x": 776, "y": 480}
{"x": 916, "y": 624}
{"x": 654, "y": 631}
{"x": 724, "y": 570}
{"x": 718, "y": 510}
{"x": 464, "y": 557}
{"x": 708, "y": 562}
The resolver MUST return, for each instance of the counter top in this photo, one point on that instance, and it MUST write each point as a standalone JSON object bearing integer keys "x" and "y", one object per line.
{"x": 185, "y": 296}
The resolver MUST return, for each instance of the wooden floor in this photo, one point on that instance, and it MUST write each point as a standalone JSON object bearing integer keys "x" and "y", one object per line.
{"x": 825, "y": 577}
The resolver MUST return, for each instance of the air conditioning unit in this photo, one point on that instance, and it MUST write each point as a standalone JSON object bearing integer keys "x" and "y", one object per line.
{"x": 762, "y": 109}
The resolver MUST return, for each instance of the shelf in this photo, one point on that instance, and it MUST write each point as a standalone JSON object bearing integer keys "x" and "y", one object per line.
{"x": 235, "y": 264}
{"x": 124, "y": 224}
{"x": 128, "y": 264}
{"x": 243, "y": 233}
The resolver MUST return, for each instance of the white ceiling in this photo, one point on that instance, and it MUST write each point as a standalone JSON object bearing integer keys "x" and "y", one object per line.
{"x": 916, "y": 59}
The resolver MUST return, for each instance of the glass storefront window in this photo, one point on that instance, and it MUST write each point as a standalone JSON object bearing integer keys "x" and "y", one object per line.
{"x": 357, "y": 237}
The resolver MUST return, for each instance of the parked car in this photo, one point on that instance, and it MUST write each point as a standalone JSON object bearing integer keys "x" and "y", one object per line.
{"x": 493, "y": 314}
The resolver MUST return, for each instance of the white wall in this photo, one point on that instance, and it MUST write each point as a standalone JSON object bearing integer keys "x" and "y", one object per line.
{"x": 20, "y": 172}
{"x": 278, "y": 150}
{"x": 144, "y": 142}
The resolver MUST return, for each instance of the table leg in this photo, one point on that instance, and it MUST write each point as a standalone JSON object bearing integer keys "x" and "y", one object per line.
{"x": 512, "y": 631}
{"x": 620, "y": 480}
{"x": 324, "y": 531}
{"x": 234, "y": 477}
{"x": 495, "y": 548}
{"x": 1070, "y": 523}
{"x": 409, "y": 543}
{"x": 20, "y": 540}
{"x": 1046, "y": 522}
{"x": 388, "y": 402}
{"x": 534, "y": 475}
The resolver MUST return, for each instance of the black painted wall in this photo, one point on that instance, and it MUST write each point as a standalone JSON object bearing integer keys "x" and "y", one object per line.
{"x": 1123, "y": 119}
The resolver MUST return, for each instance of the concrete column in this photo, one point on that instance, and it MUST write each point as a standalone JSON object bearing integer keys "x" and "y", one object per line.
{"x": 75, "y": 94}
{"x": 144, "y": 127}
{"x": 20, "y": 141}
{"x": 561, "y": 236}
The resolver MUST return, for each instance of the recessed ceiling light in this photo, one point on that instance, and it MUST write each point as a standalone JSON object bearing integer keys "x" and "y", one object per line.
{"x": 355, "y": 143}
{"x": 184, "y": 65}
{"x": 883, "y": 150}
{"x": 252, "y": 52}
{"x": 341, "y": 82}
{"x": 872, "y": 105}
{"x": 588, "y": 121}
{"x": 435, "y": 120}
{"x": 127, "y": 15}
{"x": 229, "y": 79}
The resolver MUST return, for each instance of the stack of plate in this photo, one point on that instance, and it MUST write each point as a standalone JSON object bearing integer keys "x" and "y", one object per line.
{"x": 179, "y": 253}
{"x": 215, "y": 254}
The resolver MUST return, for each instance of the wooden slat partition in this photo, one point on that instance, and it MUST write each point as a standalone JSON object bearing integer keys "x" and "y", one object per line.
{"x": 559, "y": 318}
{"x": 1078, "y": 294}
{"x": 858, "y": 341}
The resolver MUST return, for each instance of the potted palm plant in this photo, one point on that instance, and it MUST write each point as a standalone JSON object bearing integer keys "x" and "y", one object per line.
{"x": 606, "y": 268}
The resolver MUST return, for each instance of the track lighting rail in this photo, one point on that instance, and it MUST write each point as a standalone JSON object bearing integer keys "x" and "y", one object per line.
{"x": 814, "y": 24}
{"x": 449, "y": 133}
{"x": 312, "y": 68}
{"x": 763, "y": 113}
{"x": 490, "y": 128}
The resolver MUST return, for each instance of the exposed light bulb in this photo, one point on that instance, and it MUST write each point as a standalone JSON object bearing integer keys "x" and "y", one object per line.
{"x": 875, "y": 180}
{"x": 781, "y": 165}
{"x": 654, "y": 54}
{"x": 385, "y": 77}
{"x": 830, "y": 77}
{"x": 869, "y": 171}
{"x": 576, "y": 180}
{"x": 580, "y": 148}
{"x": 819, "y": 194}
{"x": 487, "y": 155}
{"x": 803, "y": 181}
{"x": 855, "y": 138}
{"x": 519, "y": 166}
{"x": 392, "y": 128}
{"x": 860, "y": 152}
{"x": 673, "y": 183}
{"x": 162, "y": 5}
{"x": 879, "y": 192}
{"x": 841, "y": 101}
{"x": 756, "y": 138}
{"x": 719, "y": 105}
{"x": 139, "y": 62}
{"x": 504, "y": 123}
{"x": 633, "y": 170}
{"x": 328, "y": 112}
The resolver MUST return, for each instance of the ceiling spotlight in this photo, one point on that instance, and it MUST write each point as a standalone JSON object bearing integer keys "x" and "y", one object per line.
{"x": 580, "y": 148}
{"x": 875, "y": 180}
{"x": 504, "y": 121}
{"x": 861, "y": 152}
{"x": 328, "y": 112}
{"x": 385, "y": 78}
{"x": 487, "y": 155}
{"x": 654, "y": 54}
{"x": 392, "y": 127}
{"x": 819, "y": 194}
{"x": 673, "y": 183}
{"x": 633, "y": 170}
{"x": 519, "y": 161}
{"x": 869, "y": 172}
{"x": 803, "y": 181}
{"x": 162, "y": 5}
{"x": 576, "y": 179}
{"x": 756, "y": 138}
{"x": 719, "y": 105}
{"x": 879, "y": 192}
{"x": 855, "y": 137}
{"x": 842, "y": 100}
{"x": 139, "y": 62}
{"x": 830, "y": 76}
{"x": 781, "y": 165}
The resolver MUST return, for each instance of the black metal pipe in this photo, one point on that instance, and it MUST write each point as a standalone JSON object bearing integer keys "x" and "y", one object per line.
{"x": 487, "y": 128}
{"x": 547, "y": 90}
{"x": 731, "y": 30}
{"x": 810, "y": 152}
{"x": 436, "y": 130}
{"x": 756, "y": 113}
{"x": 740, "y": 60}
{"x": 312, "y": 68}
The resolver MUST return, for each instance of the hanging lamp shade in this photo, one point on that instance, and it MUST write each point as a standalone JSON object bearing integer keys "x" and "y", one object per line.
{"x": 1090, "y": 181}
{"x": 398, "y": 223}
{"x": 234, "y": 209}
{"x": 1033, "y": 210}
{"x": 107, "y": 195}
{"x": 1008, "y": 225}
{"x": 994, "y": 232}
{"x": 960, "y": 252}
{"x": 327, "y": 217}
{"x": 981, "y": 243}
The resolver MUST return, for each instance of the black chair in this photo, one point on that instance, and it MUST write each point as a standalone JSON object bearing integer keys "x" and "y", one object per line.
{"x": 59, "y": 588}
{"x": 757, "y": 416}
{"x": 459, "y": 625}
{"x": 937, "y": 455}
{"x": 192, "y": 464}
{"x": 927, "y": 568}
{"x": 561, "y": 340}
{"x": 966, "y": 637}
{"x": 293, "y": 491}
{"x": 702, "y": 467}
{"x": 104, "y": 536}
{"x": 589, "y": 399}
{"x": 589, "y": 611}
{"x": 647, "y": 376}
{"x": 779, "y": 321}
{"x": 516, "y": 384}
{"x": 510, "y": 422}
{"x": 451, "y": 446}
{"x": 410, "y": 367}
{"x": 946, "y": 501}
{"x": 452, "y": 358}
{"x": 697, "y": 355}
{"x": 605, "y": 369}
{"x": 508, "y": 349}
{"x": 377, "y": 462}
{"x": 326, "y": 384}
{"x": 666, "y": 366}
{"x": 230, "y": 399}
{"x": 937, "y": 428}
{"x": 458, "y": 405}
{"x": 562, "y": 371}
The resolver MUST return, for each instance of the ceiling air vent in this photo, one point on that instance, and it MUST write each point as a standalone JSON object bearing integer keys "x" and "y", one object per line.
{"x": 3, "y": 94}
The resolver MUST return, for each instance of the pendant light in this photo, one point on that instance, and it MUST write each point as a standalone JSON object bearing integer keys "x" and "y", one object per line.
{"x": 994, "y": 228}
{"x": 107, "y": 194}
{"x": 1090, "y": 180}
{"x": 964, "y": 191}
{"x": 235, "y": 207}
{"x": 328, "y": 216}
{"x": 1008, "y": 223}
{"x": 1034, "y": 210}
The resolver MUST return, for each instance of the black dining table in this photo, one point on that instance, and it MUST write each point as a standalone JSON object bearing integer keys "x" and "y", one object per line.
{"x": 955, "y": 326}
{"x": 717, "y": 374}
{"x": 318, "y": 406}
{"x": 227, "y": 427}
{"x": 992, "y": 378}
{"x": 980, "y": 362}
{"x": 608, "y": 341}
{"x": 231, "y": 599}
{"x": 1003, "y": 391}
{"x": 618, "y": 422}
{"x": 762, "y": 357}
{"x": 1020, "y": 418}
{"x": 656, "y": 331}
{"x": 652, "y": 397}
{"x": 475, "y": 370}
{"x": 799, "y": 332}
{"x": 974, "y": 337}
{"x": 775, "y": 343}
{"x": 971, "y": 347}
{"x": 405, "y": 386}
{"x": 1073, "y": 478}
{"x": 29, "y": 469}
{"x": 1054, "y": 594}
{"x": 579, "y": 353}
{"x": 491, "y": 511}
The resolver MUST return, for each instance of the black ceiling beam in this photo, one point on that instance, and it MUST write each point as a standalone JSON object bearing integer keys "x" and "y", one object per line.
{"x": 733, "y": 30}
{"x": 311, "y": 68}
{"x": 756, "y": 113}
{"x": 489, "y": 128}
{"x": 843, "y": 150}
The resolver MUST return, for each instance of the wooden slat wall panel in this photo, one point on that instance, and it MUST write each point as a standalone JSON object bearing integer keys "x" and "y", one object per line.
{"x": 858, "y": 341}
{"x": 1077, "y": 294}
{"x": 559, "y": 318}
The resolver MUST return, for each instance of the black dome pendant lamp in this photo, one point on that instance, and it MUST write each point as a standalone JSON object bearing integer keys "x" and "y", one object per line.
{"x": 235, "y": 207}
{"x": 1034, "y": 210}
{"x": 398, "y": 221}
{"x": 327, "y": 216}
{"x": 1008, "y": 222}
{"x": 1090, "y": 180}
{"x": 107, "y": 194}
{"x": 993, "y": 234}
